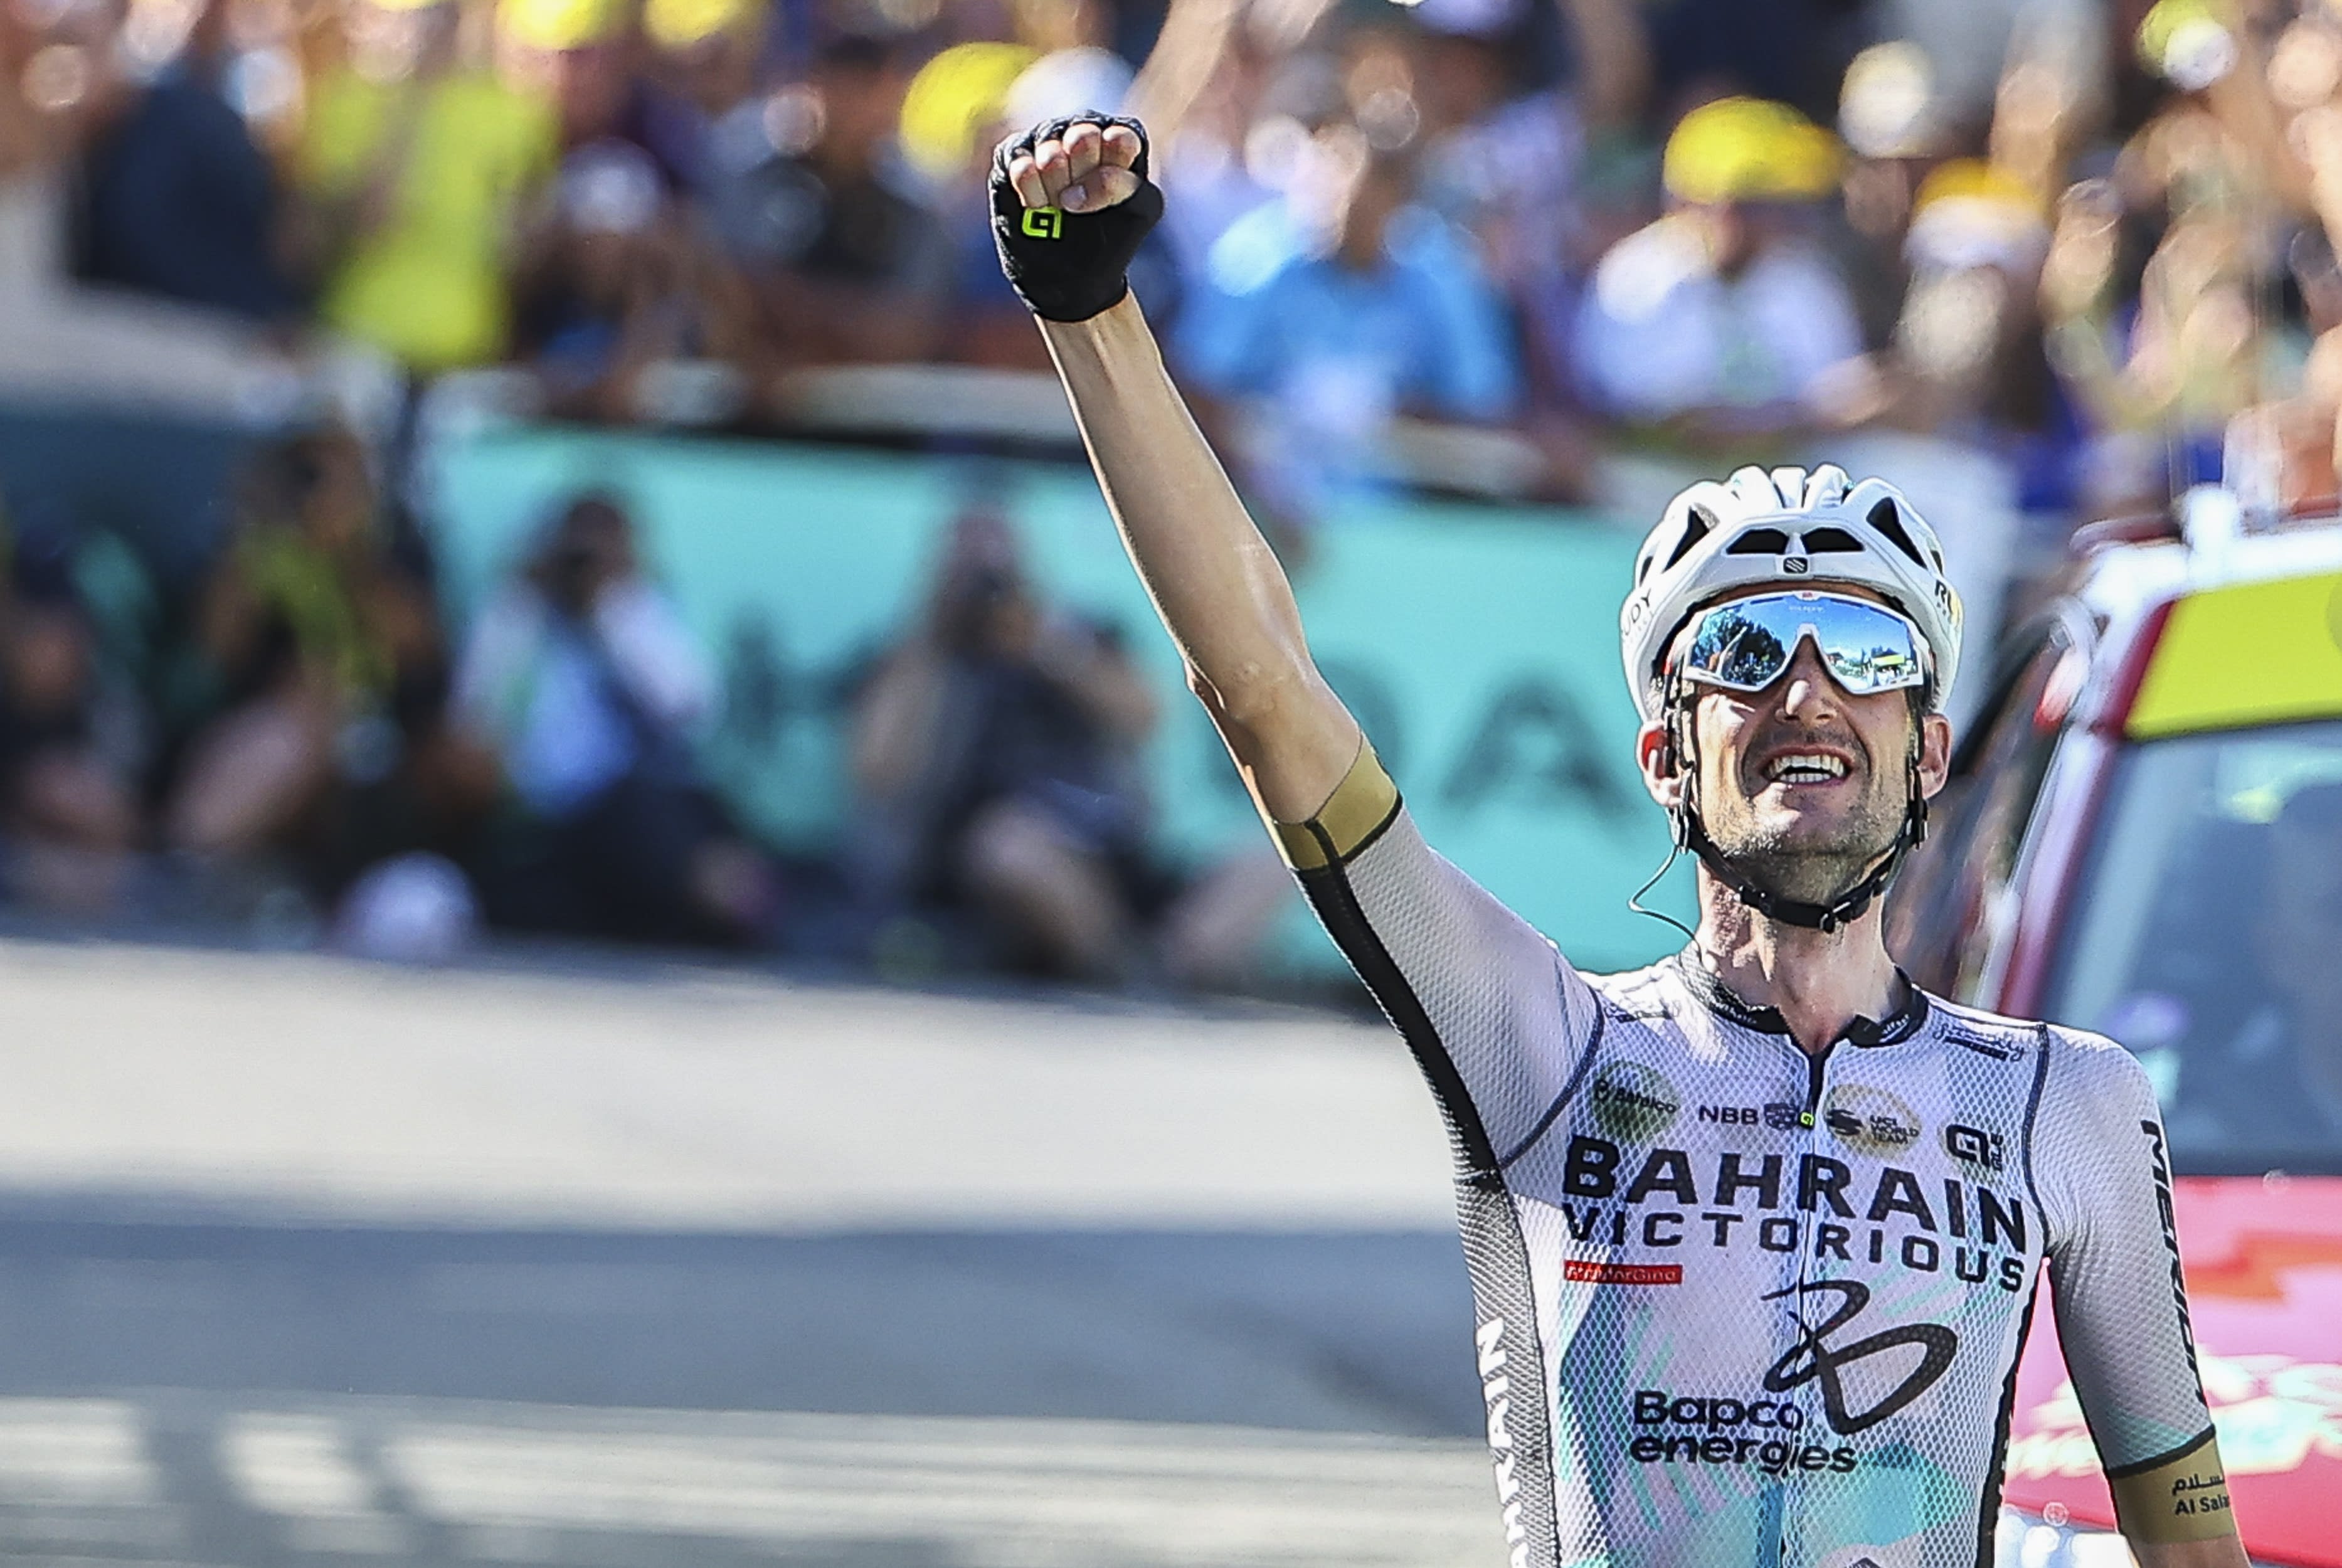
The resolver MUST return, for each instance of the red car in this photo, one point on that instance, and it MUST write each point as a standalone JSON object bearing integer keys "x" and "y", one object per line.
{"x": 2144, "y": 837}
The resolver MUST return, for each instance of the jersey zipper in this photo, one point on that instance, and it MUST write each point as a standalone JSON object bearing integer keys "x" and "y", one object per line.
{"x": 1816, "y": 1065}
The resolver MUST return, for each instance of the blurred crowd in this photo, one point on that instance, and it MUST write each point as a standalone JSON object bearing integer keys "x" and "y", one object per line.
{"x": 2086, "y": 231}
{"x": 2087, "y": 243}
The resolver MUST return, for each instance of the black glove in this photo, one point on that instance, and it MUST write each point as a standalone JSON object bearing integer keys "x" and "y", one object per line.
{"x": 1066, "y": 265}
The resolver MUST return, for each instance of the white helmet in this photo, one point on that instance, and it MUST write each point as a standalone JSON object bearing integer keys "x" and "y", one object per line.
{"x": 1787, "y": 528}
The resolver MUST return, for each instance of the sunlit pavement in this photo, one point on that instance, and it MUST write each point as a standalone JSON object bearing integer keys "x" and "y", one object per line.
{"x": 304, "y": 1262}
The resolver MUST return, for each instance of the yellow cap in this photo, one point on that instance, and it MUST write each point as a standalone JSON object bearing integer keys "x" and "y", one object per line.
{"x": 2189, "y": 43}
{"x": 1970, "y": 213}
{"x": 555, "y": 25}
{"x": 680, "y": 23}
{"x": 1976, "y": 179}
{"x": 1749, "y": 150}
{"x": 952, "y": 99}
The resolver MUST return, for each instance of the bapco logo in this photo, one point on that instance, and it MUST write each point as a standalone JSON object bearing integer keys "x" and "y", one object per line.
{"x": 1632, "y": 1101}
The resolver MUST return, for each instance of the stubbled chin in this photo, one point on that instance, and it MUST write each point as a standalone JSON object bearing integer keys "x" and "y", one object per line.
{"x": 1807, "y": 814}
{"x": 1798, "y": 796}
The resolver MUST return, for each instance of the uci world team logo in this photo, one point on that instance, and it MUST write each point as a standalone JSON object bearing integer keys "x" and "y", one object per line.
{"x": 1870, "y": 1120}
{"x": 1045, "y": 223}
{"x": 1816, "y": 1359}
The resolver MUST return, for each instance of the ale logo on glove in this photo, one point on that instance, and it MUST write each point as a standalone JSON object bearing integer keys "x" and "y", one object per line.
{"x": 1045, "y": 223}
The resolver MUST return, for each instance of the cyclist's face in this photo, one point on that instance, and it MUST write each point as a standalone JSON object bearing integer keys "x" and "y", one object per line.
{"x": 1802, "y": 782}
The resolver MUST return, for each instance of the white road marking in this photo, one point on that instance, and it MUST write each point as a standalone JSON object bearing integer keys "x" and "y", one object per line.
{"x": 299, "y": 1467}
{"x": 1091, "y": 1492}
{"x": 73, "y": 1454}
{"x": 294, "y": 1465}
{"x": 380, "y": 1478}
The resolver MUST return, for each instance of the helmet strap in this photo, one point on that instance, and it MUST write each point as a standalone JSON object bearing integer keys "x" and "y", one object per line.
{"x": 1691, "y": 833}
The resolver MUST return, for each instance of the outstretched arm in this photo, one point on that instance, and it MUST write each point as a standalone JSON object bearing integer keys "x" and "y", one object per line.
{"x": 1215, "y": 582}
{"x": 1485, "y": 1030}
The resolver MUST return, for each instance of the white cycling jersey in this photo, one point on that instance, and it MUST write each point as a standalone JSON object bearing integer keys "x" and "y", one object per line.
{"x": 1740, "y": 1305}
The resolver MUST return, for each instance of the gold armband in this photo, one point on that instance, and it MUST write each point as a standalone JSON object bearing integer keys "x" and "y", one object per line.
{"x": 2182, "y": 1496}
{"x": 1352, "y": 817}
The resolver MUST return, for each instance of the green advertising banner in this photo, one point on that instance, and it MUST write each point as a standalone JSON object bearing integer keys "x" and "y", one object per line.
{"x": 1478, "y": 646}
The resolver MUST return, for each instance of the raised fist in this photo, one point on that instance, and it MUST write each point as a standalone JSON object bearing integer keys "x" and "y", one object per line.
{"x": 1071, "y": 203}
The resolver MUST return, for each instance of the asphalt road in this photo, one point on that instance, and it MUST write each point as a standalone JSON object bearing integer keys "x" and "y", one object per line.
{"x": 304, "y": 1262}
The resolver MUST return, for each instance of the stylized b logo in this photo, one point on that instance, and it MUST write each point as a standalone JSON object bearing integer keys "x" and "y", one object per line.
{"x": 1812, "y": 1359}
{"x": 1045, "y": 223}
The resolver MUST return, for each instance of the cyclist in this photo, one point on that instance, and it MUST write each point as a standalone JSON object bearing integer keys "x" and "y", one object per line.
{"x": 1754, "y": 1233}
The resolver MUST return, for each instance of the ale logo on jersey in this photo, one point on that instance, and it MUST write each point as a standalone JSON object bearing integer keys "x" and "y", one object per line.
{"x": 1870, "y": 1120}
{"x": 1633, "y": 1103}
{"x": 1980, "y": 1149}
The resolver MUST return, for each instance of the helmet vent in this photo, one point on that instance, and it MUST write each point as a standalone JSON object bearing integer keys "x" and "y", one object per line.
{"x": 1759, "y": 542}
{"x": 1888, "y": 520}
{"x": 1831, "y": 541}
{"x": 1698, "y": 524}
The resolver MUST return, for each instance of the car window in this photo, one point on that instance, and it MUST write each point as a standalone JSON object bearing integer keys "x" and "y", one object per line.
{"x": 2208, "y": 937}
{"x": 1938, "y": 925}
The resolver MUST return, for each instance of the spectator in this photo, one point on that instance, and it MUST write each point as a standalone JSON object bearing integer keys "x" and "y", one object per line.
{"x": 418, "y": 173}
{"x": 1969, "y": 336}
{"x": 306, "y": 625}
{"x": 592, "y": 63}
{"x": 1235, "y": 148}
{"x": 996, "y": 751}
{"x": 178, "y": 199}
{"x": 61, "y": 343}
{"x": 576, "y": 55}
{"x": 1721, "y": 320}
{"x": 68, "y": 800}
{"x": 589, "y": 691}
{"x": 952, "y": 119}
{"x": 325, "y": 655}
{"x": 703, "y": 105}
{"x": 1502, "y": 156}
{"x": 1339, "y": 307}
{"x": 851, "y": 262}
{"x": 621, "y": 285}
{"x": 1890, "y": 116}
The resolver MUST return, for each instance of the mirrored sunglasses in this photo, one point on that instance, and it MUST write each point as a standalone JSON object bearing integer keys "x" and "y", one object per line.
{"x": 1744, "y": 644}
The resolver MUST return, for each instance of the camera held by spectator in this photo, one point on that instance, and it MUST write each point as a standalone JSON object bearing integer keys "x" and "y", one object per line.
{"x": 584, "y": 683}
{"x": 996, "y": 749}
